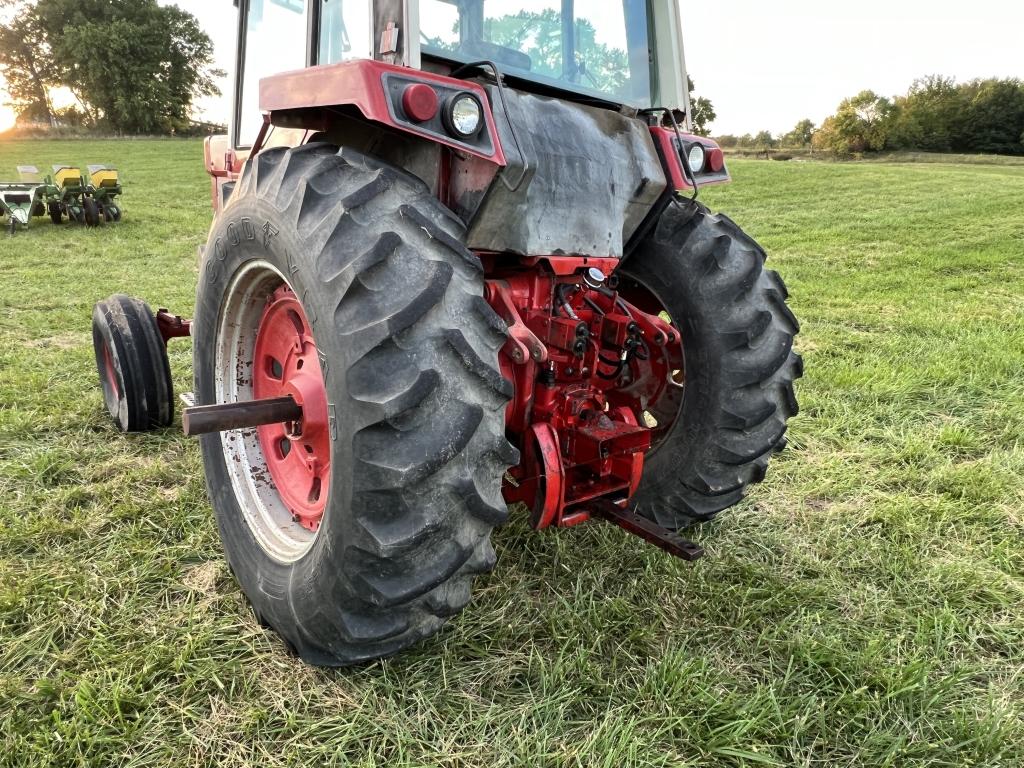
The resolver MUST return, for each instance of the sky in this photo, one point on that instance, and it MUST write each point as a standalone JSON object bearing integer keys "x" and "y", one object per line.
{"x": 795, "y": 59}
{"x": 767, "y": 66}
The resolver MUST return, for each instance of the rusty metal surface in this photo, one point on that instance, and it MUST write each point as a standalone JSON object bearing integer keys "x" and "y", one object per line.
{"x": 203, "y": 419}
{"x": 648, "y": 531}
{"x": 580, "y": 182}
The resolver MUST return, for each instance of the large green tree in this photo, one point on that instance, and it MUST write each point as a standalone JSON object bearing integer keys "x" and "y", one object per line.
{"x": 993, "y": 119}
{"x": 861, "y": 123}
{"x": 929, "y": 115}
{"x": 26, "y": 62}
{"x": 134, "y": 65}
{"x": 936, "y": 115}
{"x": 765, "y": 142}
{"x": 800, "y": 136}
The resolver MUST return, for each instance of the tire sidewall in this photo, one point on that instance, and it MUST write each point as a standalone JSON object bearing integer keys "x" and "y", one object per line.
{"x": 103, "y": 339}
{"x": 283, "y": 594}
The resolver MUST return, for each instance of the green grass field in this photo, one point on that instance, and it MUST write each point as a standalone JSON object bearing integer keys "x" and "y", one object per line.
{"x": 865, "y": 606}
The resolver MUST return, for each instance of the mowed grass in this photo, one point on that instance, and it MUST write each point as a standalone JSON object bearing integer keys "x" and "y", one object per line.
{"x": 862, "y": 607}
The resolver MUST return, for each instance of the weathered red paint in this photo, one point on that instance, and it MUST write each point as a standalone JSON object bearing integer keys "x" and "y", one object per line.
{"x": 172, "y": 326}
{"x": 285, "y": 364}
{"x": 359, "y": 83}
{"x": 547, "y": 482}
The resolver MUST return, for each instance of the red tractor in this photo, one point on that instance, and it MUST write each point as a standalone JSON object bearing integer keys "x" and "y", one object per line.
{"x": 457, "y": 263}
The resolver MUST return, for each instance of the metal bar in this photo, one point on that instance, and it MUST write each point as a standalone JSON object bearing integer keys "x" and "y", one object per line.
{"x": 203, "y": 419}
{"x": 172, "y": 326}
{"x": 648, "y": 531}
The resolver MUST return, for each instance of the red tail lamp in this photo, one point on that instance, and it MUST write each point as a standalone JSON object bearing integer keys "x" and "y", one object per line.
{"x": 420, "y": 102}
{"x": 716, "y": 160}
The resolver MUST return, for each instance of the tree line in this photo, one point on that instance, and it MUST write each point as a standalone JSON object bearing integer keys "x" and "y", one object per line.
{"x": 800, "y": 137}
{"x": 937, "y": 114}
{"x": 132, "y": 65}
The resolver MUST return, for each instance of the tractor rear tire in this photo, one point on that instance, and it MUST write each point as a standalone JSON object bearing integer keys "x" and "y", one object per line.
{"x": 737, "y": 335}
{"x": 131, "y": 359}
{"x": 408, "y": 352}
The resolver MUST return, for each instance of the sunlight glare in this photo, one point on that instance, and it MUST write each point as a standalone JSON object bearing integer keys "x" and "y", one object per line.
{"x": 6, "y": 118}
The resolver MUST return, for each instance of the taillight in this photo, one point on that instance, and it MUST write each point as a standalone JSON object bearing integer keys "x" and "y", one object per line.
{"x": 715, "y": 161}
{"x": 419, "y": 101}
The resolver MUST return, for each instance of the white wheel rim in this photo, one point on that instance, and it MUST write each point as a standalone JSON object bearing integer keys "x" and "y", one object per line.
{"x": 259, "y": 502}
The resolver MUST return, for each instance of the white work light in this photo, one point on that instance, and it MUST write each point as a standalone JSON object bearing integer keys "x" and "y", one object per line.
{"x": 464, "y": 115}
{"x": 696, "y": 158}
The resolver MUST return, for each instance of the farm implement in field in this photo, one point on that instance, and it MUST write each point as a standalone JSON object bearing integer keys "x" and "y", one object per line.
{"x": 16, "y": 204}
{"x": 86, "y": 197}
{"x": 451, "y": 271}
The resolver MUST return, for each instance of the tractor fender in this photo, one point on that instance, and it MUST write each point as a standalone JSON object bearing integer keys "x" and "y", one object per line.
{"x": 307, "y": 98}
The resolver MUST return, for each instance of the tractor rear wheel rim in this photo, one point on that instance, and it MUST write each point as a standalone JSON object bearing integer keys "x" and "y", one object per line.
{"x": 280, "y": 473}
{"x": 286, "y": 364}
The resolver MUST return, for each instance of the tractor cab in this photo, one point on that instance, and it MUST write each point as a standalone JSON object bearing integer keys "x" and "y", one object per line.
{"x": 626, "y": 53}
{"x": 495, "y": 104}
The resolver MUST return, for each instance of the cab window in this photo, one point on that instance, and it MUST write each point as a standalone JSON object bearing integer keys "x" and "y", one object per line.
{"x": 275, "y": 41}
{"x": 344, "y": 31}
{"x": 592, "y": 47}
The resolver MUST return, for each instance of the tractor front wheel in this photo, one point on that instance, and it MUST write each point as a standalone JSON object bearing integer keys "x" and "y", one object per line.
{"x": 724, "y": 412}
{"x": 131, "y": 358}
{"x": 343, "y": 283}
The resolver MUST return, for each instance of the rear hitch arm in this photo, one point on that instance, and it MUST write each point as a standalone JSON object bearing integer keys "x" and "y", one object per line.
{"x": 647, "y": 530}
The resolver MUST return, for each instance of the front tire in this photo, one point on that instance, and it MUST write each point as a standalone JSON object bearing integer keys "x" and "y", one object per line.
{"x": 739, "y": 364}
{"x": 131, "y": 359}
{"x": 408, "y": 351}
